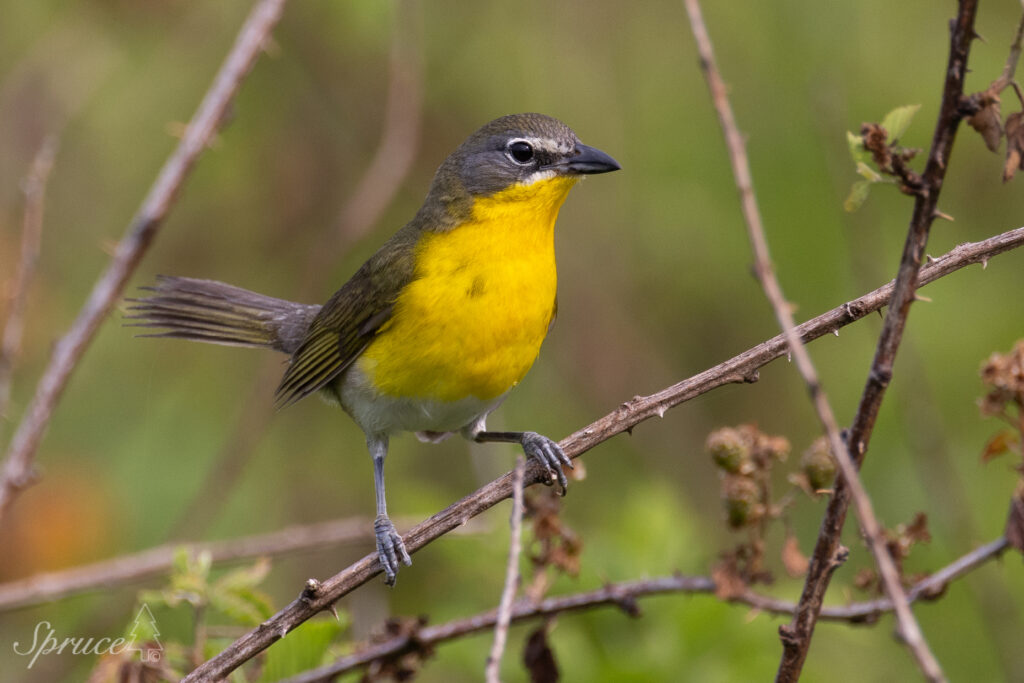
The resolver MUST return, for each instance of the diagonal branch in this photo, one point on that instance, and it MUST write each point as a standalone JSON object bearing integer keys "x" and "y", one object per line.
{"x": 624, "y": 596}
{"x": 741, "y": 368}
{"x": 827, "y": 553}
{"x": 18, "y": 471}
{"x": 908, "y": 626}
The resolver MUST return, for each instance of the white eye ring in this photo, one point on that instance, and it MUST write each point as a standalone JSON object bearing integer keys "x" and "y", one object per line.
{"x": 520, "y": 151}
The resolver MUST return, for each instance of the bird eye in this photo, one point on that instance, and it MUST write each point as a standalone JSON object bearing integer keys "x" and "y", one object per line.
{"x": 520, "y": 151}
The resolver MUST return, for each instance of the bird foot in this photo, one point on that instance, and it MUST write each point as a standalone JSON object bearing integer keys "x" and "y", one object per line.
{"x": 390, "y": 548}
{"x": 550, "y": 455}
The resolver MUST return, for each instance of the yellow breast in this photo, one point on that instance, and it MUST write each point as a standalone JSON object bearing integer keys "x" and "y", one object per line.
{"x": 472, "y": 321}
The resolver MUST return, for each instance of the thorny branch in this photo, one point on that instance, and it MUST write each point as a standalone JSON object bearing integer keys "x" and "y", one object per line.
{"x": 908, "y": 626}
{"x": 828, "y": 552}
{"x": 209, "y": 117}
{"x": 741, "y": 368}
{"x": 624, "y": 596}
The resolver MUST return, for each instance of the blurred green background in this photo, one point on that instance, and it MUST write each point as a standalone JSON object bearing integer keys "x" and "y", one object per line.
{"x": 655, "y": 286}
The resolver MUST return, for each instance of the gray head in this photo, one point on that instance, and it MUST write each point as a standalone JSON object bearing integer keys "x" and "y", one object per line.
{"x": 516, "y": 149}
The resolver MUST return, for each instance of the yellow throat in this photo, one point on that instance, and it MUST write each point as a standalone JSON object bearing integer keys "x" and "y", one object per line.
{"x": 472, "y": 321}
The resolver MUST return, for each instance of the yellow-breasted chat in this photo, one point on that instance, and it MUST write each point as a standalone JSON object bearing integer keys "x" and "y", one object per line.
{"x": 432, "y": 332}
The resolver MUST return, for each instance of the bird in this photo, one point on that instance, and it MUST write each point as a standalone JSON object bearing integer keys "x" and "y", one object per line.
{"x": 434, "y": 330}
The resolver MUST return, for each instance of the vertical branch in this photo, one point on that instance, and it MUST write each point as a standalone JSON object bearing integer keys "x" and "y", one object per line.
{"x": 828, "y": 552}
{"x": 18, "y": 469}
{"x": 34, "y": 190}
{"x": 908, "y": 627}
{"x": 508, "y": 594}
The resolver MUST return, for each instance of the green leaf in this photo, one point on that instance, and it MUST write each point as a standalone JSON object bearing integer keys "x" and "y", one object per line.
{"x": 242, "y": 605}
{"x": 301, "y": 650}
{"x": 869, "y": 174}
{"x": 858, "y": 193}
{"x": 898, "y": 120}
{"x": 856, "y": 144}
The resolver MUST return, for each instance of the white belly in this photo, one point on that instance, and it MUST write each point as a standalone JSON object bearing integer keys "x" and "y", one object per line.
{"x": 384, "y": 415}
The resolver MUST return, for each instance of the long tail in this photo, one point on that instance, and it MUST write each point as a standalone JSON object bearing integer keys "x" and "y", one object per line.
{"x": 213, "y": 312}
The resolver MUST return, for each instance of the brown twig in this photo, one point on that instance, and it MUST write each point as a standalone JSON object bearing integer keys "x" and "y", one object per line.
{"x": 209, "y": 117}
{"x": 741, "y": 368}
{"x": 1010, "y": 68}
{"x": 624, "y": 595}
{"x": 34, "y": 189}
{"x": 796, "y": 636}
{"x": 508, "y": 593}
{"x": 908, "y": 626}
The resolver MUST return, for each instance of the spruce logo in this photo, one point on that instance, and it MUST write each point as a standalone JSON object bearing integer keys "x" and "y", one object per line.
{"x": 143, "y": 637}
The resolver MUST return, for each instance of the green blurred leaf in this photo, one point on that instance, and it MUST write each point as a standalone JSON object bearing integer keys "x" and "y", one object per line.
{"x": 300, "y": 650}
{"x": 898, "y": 120}
{"x": 868, "y": 173}
{"x": 858, "y": 193}
{"x": 245, "y": 577}
{"x": 242, "y": 605}
{"x": 856, "y": 144}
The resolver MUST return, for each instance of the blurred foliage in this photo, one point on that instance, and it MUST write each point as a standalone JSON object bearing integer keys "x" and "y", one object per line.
{"x": 655, "y": 286}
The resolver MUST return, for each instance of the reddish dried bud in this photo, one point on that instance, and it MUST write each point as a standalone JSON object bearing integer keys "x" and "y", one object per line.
{"x": 876, "y": 141}
{"x": 776, "y": 447}
{"x": 988, "y": 121}
{"x": 1014, "y": 145}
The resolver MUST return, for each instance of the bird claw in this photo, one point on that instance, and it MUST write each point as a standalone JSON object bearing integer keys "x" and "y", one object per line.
{"x": 550, "y": 455}
{"x": 390, "y": 548}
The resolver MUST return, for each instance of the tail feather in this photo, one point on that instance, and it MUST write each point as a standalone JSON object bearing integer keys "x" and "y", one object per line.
{"x": 217, "y": 313}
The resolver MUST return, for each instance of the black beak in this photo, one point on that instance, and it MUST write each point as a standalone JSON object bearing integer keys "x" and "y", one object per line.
{"x": 587, "y": 160}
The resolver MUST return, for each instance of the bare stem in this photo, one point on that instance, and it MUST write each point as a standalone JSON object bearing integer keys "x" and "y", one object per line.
{"x": 908, "y": 626}
{"x": 624, "y": 596}
{"x": 741, "y": 368}
{"x": 508, "y": 593}
{"x": 828, "y": 553}
{"x": 208, "y": 119}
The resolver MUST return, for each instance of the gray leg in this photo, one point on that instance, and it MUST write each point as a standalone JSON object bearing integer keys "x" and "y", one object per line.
{"x": 536, "y": 446}
{"x": 390, "y": 547}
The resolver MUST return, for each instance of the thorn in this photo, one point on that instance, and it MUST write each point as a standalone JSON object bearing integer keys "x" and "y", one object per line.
{"x": 944, "y": 216}
{"x": 334, "y": 611}
{"x": 283, "y": 632}
{"x": 660, "y": 411}
{"x": 836, "y": 332}
{"x": 984, "y": 263}
{"x": 789, "y": 356}
{"x": 977, "y": 36}
{"x": 921, "y": 297}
